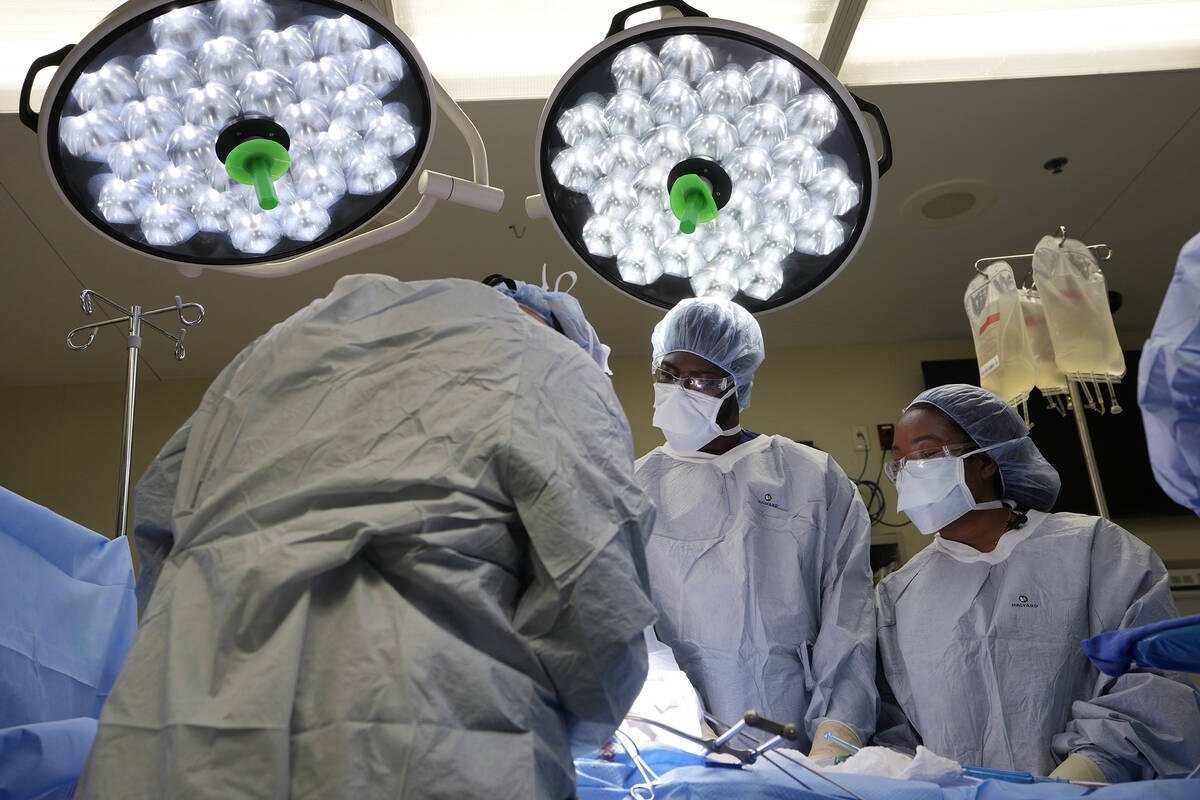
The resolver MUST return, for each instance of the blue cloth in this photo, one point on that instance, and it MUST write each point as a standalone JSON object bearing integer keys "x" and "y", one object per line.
{"x": 69, "y": 616}
{"x": 1177, "y": 649}
{"x": 43, "y": 760}
{"x": 1028, "y": 478}
{"x": 715, "y": 329}
{"x": 683, "y": 777}
{"x": 1112, "y": 651}
{"x": 1169, "y": 384}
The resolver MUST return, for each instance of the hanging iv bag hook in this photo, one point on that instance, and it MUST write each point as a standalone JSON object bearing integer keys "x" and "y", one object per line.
{"x": 180, "y": 306}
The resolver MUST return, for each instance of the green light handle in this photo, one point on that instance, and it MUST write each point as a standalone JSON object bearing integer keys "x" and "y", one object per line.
{"x": 259, "y": 163}
{"x": 264, "y": 184}
{"x": 693, "y": 204}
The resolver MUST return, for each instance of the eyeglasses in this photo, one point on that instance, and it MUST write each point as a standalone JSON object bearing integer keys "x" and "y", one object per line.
{"x": 894, "y": 468}
{"x": 712, "y": 386}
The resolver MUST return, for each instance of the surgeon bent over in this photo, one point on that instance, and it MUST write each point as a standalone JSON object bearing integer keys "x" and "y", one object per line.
{"x": 396, "y": 552}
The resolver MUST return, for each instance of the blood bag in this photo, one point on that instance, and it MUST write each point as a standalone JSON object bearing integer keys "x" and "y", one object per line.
{"x": 1006, "y": 365}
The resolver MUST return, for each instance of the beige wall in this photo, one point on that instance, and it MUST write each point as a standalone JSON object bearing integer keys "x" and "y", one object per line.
{"x": 62, "y": 443}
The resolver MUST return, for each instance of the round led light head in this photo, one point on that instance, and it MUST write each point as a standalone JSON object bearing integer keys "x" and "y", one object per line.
{"x": 322, "y": 106}
{"x": 771, "y": 171}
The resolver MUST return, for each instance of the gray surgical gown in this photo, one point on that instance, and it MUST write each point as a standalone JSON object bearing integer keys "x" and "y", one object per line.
{"x": 397, "y": 552}
{"x": 760, "y": 567}
{"x": 984, "y": 658}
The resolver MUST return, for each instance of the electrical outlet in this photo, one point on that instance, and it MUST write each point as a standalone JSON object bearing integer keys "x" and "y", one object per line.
{"x": 859, "y": 436}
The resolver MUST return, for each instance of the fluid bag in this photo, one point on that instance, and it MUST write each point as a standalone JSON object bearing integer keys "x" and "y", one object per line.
{"x": 1075, "y": 298}
{"x": 1006, "y": 365}
{"x": 1047, "y": 377}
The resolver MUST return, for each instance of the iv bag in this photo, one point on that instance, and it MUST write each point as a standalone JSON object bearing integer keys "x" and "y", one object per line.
{"x": 1047, "y": 377}
{"x": 998, "y": 328}
{"x": 1075, "y": 299}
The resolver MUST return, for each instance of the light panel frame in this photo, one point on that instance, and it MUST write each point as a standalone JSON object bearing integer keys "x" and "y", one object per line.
{"x": 141, "y": 12}
{"x": 671, "y": 289}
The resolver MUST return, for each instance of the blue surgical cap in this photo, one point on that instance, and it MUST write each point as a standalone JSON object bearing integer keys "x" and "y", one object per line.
{"x": 1028, "y": 479}
{"x": 718, "y": 330}
{"x": 564, "y": 309}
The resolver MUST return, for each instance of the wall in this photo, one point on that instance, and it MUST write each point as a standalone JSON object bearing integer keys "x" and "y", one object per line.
{"x": 62, "y": 443}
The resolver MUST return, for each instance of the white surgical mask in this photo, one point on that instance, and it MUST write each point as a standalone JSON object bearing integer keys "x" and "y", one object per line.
{"x": 688, "y": 418}
{"x": 934, "y": 492}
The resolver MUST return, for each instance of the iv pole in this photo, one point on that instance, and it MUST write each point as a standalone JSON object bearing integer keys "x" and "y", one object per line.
{"x": 135, "y": 316}
{"x": 1085, "y": 437}
{"x": 1089, "y": 455}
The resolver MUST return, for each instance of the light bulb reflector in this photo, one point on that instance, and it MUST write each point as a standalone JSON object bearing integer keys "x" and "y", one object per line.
{"x": 370, "y": 172}
{"x": 164, "y": 225}
{"x": 774, "y": 81}
{"x": 356, "y": 105}
{"x": 833, "y": 191}
{"x": 604, "y": 236}
{"x": 243, "y": 19}
{"x": 391, "y": 133}
{"x": 621, "y": 157}
{"x": 137, "y": 159}
{"x": 685, "y": 57}
{"x": 111, "y": 87}
{"x": 191, "y": 146}
{"x": 320, "y": 80}
{"x": 583, "y": 124}
{"x": 666, "y": 146}
{"x": 123, "y": 202}
{"x": 712, "y": 136}
{"x": 638, "y": 263}
{"x": 340, "y": 36}
{"x": 783, "y": 200}
{"x": 680, "y": 255}
{"x": 628, "y": 113}
{"x": 254, "y": 232}
{"x": 283, "y": 51}
{"x": 91, "y": 135}
{"x": 577, "y": 168}
{"x": 636, "y": 69}
{"x": 183, "y": 30}
{"x": 675, "y": 103}
{"x": 306, "y": 221}
{"x": 762, "y": 125}
{"x": 812, "y": 115}
{"x": 725, "y": 92}
{"x": 613, "y": 196}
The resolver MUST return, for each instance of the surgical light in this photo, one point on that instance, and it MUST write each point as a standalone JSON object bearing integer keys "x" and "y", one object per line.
{"x": 246, "y": 135}
{"x": 701, "y": 157}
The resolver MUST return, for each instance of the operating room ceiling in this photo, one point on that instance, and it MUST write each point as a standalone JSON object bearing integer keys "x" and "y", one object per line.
{"x": 1132, "y": 140}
